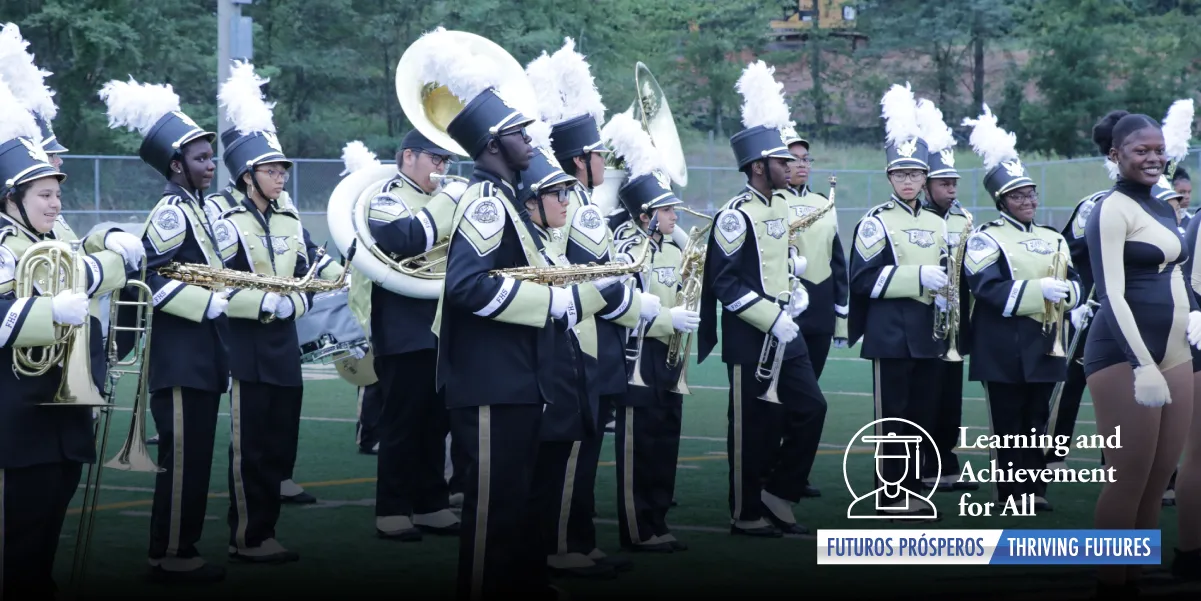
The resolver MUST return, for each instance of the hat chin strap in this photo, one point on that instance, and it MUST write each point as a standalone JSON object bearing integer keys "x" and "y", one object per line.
{"x": 25, "y": 219}
{"x": 588, "y": 170}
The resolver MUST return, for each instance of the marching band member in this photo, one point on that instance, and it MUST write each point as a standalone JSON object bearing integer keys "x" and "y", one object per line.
{"x": 259, "y": 233}
{"x": 407, "y": 217}
{"x": 1007, "y": 265}
{"x": 42, "y": 449}
{"x": 747, "y": 268}
{"x": 649, "y": 415}
{"x": 1184, "y": 187}
{"x": 1137, "y": 356}
{"x": 189, "y": 368}
{"x": 941, "y": 187}
{"x": 496, "y": 341}
{"x": 569, "y": 101}
{"x": 896, "y": 273}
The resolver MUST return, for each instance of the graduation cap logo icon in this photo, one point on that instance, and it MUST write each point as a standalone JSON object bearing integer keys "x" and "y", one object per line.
{"x": 895, "y": 492}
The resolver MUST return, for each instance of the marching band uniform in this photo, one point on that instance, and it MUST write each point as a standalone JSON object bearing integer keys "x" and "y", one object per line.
{"x": 411, "y": 493}
{"x": 649, "y": 417}
{"x": 495, "y": 359}
{"x": 895, "y": 270}
{"x": 587, "y": 239}
{"x": 42, "y": 449}
{"x": 1006, "y": 265}
{"x": 747, "y": 267}
{"x": 185, "y": 387}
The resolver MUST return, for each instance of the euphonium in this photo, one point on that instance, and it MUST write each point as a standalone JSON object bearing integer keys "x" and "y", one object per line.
{"x": 692, "y": 270}
{"x": 947, "y": 323}
{"x": 56, "y": 266}
{"x": 1053, "y": 313}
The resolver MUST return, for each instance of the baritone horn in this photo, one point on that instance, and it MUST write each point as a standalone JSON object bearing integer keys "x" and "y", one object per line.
{"x": 1053, "y": 313}
{"x": 692, "y": 277}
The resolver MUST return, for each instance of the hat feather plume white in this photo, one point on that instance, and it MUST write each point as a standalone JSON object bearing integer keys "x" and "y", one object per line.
{"x": 450, "y": 64}
{"x": 763, "y": 98}
{"x": 935, "y": 131}
{"x": 630, "y": 142}
{"x": 15, "y": 120}
{"x": 26, "y": 81}
{"x": 539, "y": 132}
{"x": 577, "y": 87}
{"x": 899, "y": 110}
{"x": 356, "y": 157}
{"x": 993, "y": 144}
{"x": 242, "y": 97}
{"x": 1178, "y": 128}
{"x": 542, "y": 77}
{"x": 137, "y": 106}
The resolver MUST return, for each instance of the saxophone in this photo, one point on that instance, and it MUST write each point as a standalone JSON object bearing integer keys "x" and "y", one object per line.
{"x": 946, "y": 323}
{"x": 568, "y": 275}
{"x": 218, "y": 279}
{"x": 804, "y": 222}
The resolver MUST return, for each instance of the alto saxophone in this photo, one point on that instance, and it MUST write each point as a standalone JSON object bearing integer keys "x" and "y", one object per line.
{"x": 804, "y": 222}
{"x": 946, "y": 323}
{"x": 219, "y": 279}
{"x": 568, "y": 275}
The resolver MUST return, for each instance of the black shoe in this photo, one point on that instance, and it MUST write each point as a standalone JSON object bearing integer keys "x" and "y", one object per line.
{"x": 786, "y": 527}
{"x": 283, "y": 556}
{"x": 1187, "y": 565}
{"x": 674, "y": 504}
{"x": 649, "y": 548}
{"x": 152, "y": 440}
{"x": 677, "y": 545}
{"x": 452, "y": 530}
{"x": 410, "y": 535}
{"x": 768, "y": 531}
{"x": 810, "y": 491}
{"x": 619, "y": 564}
{"x": 368, "y": 451}
{"x": 303, "y": 498}
{"x": 205, "y": 574}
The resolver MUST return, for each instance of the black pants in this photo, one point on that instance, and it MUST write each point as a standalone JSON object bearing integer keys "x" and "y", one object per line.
{"x": 819, "y": 351}
{"x": 758, "y": 460}
{"x": 370, "y": 407}
{"x": 908, "y": 389}
{"x": 261, "y": 449}
{"x": 500, "y": 550}
{"x": 186, "y": 420}
{"x": 947, "y": 417}
{"x": 412, "y": 431}
{"x": 459, "y": 460}
{"x": 1018, "y": 409}
{"x": 647, "y": 446}
{"x": 35, "y": 501}
{"x": 573, "y": 531}
{"x": 1070, "y": 398}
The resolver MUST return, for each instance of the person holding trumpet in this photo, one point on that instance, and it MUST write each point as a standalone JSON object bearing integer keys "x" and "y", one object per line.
{"x": 1021, "y": 275}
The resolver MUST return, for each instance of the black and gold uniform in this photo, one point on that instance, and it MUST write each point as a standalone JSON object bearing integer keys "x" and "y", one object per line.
{"x": 411, "y": 490}
{"x": 496, "y": 348}
{"x": 189, "y": 367}
{"x": 1010, "y": 266}
{"x": 650, "y": 414}
{"x": 42, "y": 449}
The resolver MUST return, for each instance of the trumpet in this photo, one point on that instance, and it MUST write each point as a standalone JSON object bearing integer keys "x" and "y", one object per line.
{"x": 770, "y": 344}
{"x": 1053, "y": 313}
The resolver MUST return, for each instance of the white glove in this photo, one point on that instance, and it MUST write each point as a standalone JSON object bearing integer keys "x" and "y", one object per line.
{"x": 1078, "y": 314}
{"x": 603, "y": 283}
{"x": 70, "y": 308}
{"x": 128, "y": 246}
{"x": 1150, "y": 387}
{"x": 358, "y": 352}
{"x": 933, "y": 278}
{"x": 1054, "y": 290}
{"x": 799, "y": 303}
{"x": 651, "y": 305}
{"x": 799, "y": 263}
{"x": 1194, "y": 328}
{"x": 217, "y": 306}
{"x": 785, "y": 329}
{"x": 840, "y": 343}
{"x": 560, "y": 301}
{"x": 684, "y": 320}
{"x": 454, "y": 189}
{"x": 285, "y": 308}
{"x": 271, "y": 302}
{"x": 941, "y": 301}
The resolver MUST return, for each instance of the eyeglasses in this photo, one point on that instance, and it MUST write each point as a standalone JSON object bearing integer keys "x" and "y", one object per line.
{"x": 804, "y": 161}
{"x": 276, "y": 174}
{"x": 563, "y": 194}
{"x": 1021, "y": 199}
{"x": 906, "y": 176}
{"x": 437, "y": 159}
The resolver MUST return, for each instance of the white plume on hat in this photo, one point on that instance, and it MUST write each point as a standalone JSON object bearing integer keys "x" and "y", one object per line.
{"x": 137, "y": 106}
{"x": 577, "y": 87}
{"x": 630, "y": 142}
{"x": 763, "y": 98}
{"x": 542, "y": 76}
{"x": 993, "y": 144}
{"x": 26, "y": 81}
{"x": 1111, "y": 169}
{"x": 242, "y": 97}
{"x": 15, "y": 120}
{"x": 935, "y": 131}
{"x": 539, "y": 132}
{"x": 356, "y": 156}
{"x": 1178, "y": 128}
{"x": 899, "y": 110}
{"x": 451, "y": 65}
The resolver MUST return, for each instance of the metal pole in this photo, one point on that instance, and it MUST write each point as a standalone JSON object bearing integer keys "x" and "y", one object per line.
{"x": 227, "y": 11}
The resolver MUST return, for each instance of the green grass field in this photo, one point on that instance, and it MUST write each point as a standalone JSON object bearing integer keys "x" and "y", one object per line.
{"x": 339, "y": 550}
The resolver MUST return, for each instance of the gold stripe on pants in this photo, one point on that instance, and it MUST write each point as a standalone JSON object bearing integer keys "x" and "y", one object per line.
{"x": 736, "y": 388}
{"x": 481, "y": 508}
{"x": 628, "y": 475}
{"x": 235, "y": 441}
{"x": 565, "y": 502}
{"x": 177, "y": 473}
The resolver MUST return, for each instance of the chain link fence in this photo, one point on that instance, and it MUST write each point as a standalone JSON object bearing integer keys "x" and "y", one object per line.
{"x": 124, "y": 189}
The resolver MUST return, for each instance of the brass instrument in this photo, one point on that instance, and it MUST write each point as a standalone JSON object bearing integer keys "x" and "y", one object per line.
{"x": 567, "y": 275}
{"x": 219, "y": 279}
{"x": 1057, "y": 393}
{"x": 692, "y": 270}
{"x": 1053, "y": 313}
{"x": 770, "y": 343}
{"x": 643, "y": 326}
{"x": 805, "y": 222}
{"x": 421, "y": 266}
{"x": 947, "y": 323}
{"x": 62, "y": 270}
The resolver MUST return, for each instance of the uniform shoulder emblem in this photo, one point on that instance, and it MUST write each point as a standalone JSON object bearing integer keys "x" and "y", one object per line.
{"x": 483, "y": 221}
{"x": 387, "y": 206}
{"x": 989, "y": 224}
{"x": 730, "y": 227}
{"x": 226, "y": 235}
{"x": 871, "y": 237}
{"x": 168, "y": 227}
{"x": 982, "y": 251}
{"x": 588, "y": 221}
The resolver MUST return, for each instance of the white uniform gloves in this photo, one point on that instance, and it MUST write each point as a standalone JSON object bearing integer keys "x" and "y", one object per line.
{"x": 70, "y": 308}
{"x": 217, "y": 306}
{"x": 684, "y": 320}
{"x": 1054, "y": 290}
{"x": 785, "y": 329}
{"x": 651, "y": 305}
{"x": 1194, "y": 328}
{"x": 1078, "y": 314}
{"x": 128, "y": 246}
{"x": 277, "y": 304}
{"x": 800, "y": 302}
{"x": 932, "y": 278}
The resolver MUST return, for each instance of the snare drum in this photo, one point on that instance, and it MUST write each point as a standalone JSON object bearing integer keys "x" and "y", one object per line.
{"x": 329, "y": 333}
